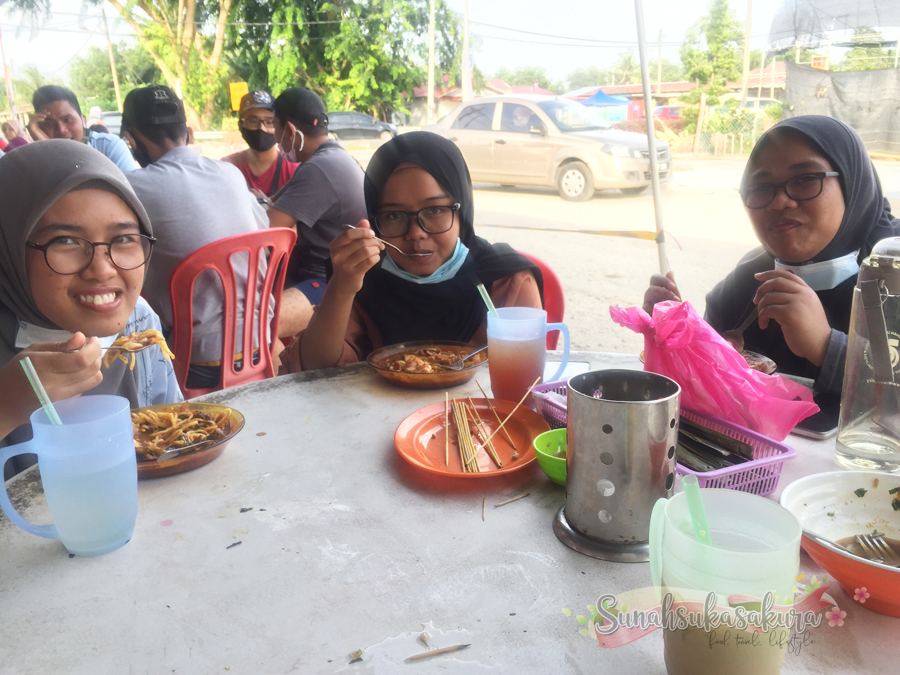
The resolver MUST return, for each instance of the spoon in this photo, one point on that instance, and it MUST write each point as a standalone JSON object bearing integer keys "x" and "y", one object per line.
{"x": 736, "y": 335}
{"x": 387, "y": 243}
{"x": 461, "y": 363}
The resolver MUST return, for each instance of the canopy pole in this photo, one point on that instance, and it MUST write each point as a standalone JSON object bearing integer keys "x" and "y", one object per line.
{"x": 651, "y": 138}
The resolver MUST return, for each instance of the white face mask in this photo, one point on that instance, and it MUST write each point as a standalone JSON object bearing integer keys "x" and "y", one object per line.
{"x": 291, "y": 155}
{"x": 827, "y": 274}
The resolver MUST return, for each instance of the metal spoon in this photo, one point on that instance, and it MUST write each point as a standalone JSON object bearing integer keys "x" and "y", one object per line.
{"x": 387, "y": 243}
{"x": 461, "y": 363}
{"x": 736, "y": 336}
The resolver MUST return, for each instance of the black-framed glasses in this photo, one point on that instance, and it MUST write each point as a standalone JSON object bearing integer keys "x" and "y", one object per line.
{"x": 71, "y": 255}
{"x": 800, "y": 188}
{"x": 254, "y": 123}
{"x": 432, "y": 219}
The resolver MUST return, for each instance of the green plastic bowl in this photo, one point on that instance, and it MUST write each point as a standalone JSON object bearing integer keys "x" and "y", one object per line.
{"x": 545, "y": 445}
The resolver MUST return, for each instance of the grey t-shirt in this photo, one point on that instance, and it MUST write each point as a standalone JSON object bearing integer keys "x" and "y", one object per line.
{"x": 325, "y": 192}
{"x": 193, "y": 201}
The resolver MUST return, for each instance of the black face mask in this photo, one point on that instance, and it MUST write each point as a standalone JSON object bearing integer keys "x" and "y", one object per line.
{"x": 258, "y": 139}
{"x": 141, "y": 156}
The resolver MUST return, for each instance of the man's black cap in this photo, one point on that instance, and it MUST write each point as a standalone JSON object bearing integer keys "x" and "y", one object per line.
{"x": 257, "y": 100}
{"x": 303, "y": 105}
{"x": 152, "y": 106}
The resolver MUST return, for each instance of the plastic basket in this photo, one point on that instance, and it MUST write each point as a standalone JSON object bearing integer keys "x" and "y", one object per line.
{"x": 759, "y": 476}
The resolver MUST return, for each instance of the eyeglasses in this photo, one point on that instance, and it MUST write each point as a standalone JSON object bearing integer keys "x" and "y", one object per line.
{"x": 432, "y": 219}
{"x": 800, "y": 188}
{"x": 254, "y": 123}
{"x": 71, "y": 255}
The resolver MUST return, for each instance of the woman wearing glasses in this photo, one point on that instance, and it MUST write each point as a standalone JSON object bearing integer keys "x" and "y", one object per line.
{"x": 815, "y": 202}
{"x": 262, "y": 164}
{"x": 419, "y": 197}
{"x": 74, "y": 242}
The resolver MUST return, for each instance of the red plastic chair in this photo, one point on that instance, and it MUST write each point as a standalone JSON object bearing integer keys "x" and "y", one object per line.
{"x": 217, "y": 257}
{"x": 554, "y": 300}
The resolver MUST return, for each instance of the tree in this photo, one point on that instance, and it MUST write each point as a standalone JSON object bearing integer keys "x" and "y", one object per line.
{"x": 711, "y": 54}
{"x": 867, "y": 52}
{"x": 527, "y": 76}
{"x": 28, "y": 81}
{"x": 91, "y": 79}
{"x": 587, "y": 77}
{"x": 627, "y": 69}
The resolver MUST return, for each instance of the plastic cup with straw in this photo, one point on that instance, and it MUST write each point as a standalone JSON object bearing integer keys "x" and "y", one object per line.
{"x": 695, "y": 506}
{"x": 44, "y": 399}
{"x": 487, "y": 301}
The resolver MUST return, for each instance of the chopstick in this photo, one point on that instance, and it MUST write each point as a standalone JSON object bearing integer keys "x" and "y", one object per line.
{"x": 491, "y": 406}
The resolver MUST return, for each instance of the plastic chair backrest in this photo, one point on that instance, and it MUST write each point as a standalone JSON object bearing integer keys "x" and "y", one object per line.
{"x": 554, "y": 300}
{"x": 217, "y": 257}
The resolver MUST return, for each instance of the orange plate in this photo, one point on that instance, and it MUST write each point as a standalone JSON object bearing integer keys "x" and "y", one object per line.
{"x": 420, "y": 439}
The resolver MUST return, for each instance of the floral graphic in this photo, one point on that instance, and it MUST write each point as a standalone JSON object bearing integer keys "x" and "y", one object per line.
{"x": 835, "y": 616}
{"x": 860, "y": 595}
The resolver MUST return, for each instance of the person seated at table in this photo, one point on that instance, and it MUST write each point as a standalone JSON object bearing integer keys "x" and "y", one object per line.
{"x": 815, "y": 202}
{"x": 74, "y": 240}
{"x": 419, "y": 197}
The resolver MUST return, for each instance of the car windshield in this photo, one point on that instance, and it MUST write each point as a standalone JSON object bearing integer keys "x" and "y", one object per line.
{"x": 572, "y": 116}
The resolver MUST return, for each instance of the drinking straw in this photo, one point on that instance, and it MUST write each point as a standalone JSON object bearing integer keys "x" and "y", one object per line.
{"x": 487, "y": 301}
{"x": 695, "y": 506}
{"x": 35, "y": 382}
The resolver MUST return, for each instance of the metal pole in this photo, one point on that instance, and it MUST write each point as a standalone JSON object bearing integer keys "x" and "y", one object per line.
{"x": 772, "y": 83}
{"x": 659, "y": 66}
{"x": 8, "y": 78}
{"x": 112, "y": 63}
{"x": 762, "y": 67}
{"x": 651, "y": 137}
{"x": 467, "y": 93}
{"x": 431, "y": 62}
{"x": 746, "y": 71}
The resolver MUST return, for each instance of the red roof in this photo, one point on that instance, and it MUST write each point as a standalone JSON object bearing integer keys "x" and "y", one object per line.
{"x": 499, "y": 85}
{"x": 531, "y": 89}
{"x": 632, "y": 89}
{"x": 753, "y": 80}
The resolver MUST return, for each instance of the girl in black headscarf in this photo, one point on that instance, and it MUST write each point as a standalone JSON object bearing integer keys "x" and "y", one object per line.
{"x": 815, "y": 202}
{"x": 419, "y": 198}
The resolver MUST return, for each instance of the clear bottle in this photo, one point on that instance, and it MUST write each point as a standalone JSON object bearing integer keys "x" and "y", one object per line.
{"x": 869, "y": 430}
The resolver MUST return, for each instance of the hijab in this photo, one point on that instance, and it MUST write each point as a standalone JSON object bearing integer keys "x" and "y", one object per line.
{"x": 452, "y": 309}
{"x": 32, "y": 179}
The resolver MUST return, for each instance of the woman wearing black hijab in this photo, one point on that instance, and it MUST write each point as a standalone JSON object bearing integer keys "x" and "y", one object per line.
{"x": 419, "y": 198}
{"x": 815, "y": 202}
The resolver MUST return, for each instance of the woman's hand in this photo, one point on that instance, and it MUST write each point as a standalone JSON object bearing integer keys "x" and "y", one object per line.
{"x": 784, "y": 297}
{"x": 661, "y": 288}
{"x": 353, "y": 253}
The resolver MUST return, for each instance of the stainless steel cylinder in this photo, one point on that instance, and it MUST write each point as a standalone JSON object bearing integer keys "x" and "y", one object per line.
{"x": 622, "y": 431}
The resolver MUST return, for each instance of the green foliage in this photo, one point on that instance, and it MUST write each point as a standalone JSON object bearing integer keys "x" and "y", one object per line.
{"x": 711, "y": 53}
{"x": 91, "y": 79}
{"x": 29, "y": 79}
{"x": 868, "y": 54}
{"x": 524, "y": 76}
{"x": 587, "y": 77}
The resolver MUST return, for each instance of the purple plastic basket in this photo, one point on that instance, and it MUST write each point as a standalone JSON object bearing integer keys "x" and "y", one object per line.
{"x": 759, "y": 476}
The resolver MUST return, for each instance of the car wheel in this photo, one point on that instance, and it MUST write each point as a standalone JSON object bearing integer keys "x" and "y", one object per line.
{"x": 632, "y": 192}
{"x": 385, "y": 135}
{"x": 575, "y": 182}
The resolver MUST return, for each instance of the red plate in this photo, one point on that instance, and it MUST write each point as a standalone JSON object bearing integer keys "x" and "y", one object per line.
{"x": 420, "y": 439}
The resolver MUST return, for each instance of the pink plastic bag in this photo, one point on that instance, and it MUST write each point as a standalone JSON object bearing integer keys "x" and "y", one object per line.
{"x": 714, "y": 378}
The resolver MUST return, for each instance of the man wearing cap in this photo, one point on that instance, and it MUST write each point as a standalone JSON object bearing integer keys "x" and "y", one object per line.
{"x": 325, "y": 192}
{"x": 192, "y": 201}
{"x": 263, "y": 165}
{"x": 57, "y": 114}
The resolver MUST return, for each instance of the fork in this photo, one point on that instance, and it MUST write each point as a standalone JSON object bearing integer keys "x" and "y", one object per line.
{"x": 877, "y": 547}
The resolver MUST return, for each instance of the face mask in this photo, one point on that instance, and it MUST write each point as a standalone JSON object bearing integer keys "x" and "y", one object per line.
{"x": 141, "y": 156}
{"x": 825, "y": 275}
{"x": 291, "y": 155}
{"x": 258, "y": 139}
{"x": 445, "y": 272}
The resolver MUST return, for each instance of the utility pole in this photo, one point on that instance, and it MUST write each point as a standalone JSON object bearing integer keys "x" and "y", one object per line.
{"x": 8, "y": 78}
{"x": 112, "y": 63}
{"x": 467, "y": 93}
{"x": 430, "y": 117}
{"x": 762, "y": 67}
{"x": 659, "y": 65}
{"x": 772, "y": 83}
{"x": 746, "y": 76}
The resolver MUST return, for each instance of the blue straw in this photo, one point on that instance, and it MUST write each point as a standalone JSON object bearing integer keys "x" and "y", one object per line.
{"x": 35, "y": 381}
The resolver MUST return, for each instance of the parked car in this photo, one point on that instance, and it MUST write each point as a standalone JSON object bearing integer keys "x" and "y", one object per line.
{"x": 113, "y": 122}
{"x": 668, "y": 112}
{"x": 347, "y": 126}
{"x": 549, "y": 141}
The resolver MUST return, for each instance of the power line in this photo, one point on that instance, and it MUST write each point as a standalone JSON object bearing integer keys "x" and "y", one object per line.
{"x": 565, "y": 44}
{"x": 565, "y": 37}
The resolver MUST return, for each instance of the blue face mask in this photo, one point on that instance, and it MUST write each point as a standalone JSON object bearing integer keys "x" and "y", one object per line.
{"x": 825, "y": 275}
{"x": 445, "y": 272}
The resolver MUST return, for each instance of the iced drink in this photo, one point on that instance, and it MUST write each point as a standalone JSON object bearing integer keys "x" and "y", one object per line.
{"x": 514, "y": 366}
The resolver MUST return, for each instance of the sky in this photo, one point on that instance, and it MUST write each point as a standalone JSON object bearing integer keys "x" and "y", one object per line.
{"x": 68, "y": 35}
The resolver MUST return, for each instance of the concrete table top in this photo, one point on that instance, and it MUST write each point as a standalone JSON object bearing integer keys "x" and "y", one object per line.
{"x": 345, "y": 546}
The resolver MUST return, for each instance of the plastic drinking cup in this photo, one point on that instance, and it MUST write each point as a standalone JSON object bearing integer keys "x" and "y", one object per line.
{"x": 755, "y": 550}
{"x": 89, "y": 472}
{"x": 517, "y": 349}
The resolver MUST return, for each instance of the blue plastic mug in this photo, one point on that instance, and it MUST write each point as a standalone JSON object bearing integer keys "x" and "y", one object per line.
{"x": 89, "y": 472}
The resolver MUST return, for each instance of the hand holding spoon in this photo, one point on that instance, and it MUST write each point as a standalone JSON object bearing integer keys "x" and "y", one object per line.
{"x": 387, "y": 243}
{"x": 736, "y": 335}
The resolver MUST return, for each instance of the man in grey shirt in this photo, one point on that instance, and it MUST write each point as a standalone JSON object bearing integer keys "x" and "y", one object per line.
{"x": 324, "y": 195}
{"x": 192, "y": 201}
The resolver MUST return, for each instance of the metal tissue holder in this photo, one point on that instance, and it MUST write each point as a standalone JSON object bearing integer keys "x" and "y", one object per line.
{"x": 622, "y": 434}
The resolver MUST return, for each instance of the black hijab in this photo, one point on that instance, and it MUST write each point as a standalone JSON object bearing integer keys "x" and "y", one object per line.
{"x": 450, "y": 310}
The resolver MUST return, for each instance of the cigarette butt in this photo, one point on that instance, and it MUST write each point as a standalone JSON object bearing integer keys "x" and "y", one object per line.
{"x": 428, "y": 655}
{"x": 510, "y": 501}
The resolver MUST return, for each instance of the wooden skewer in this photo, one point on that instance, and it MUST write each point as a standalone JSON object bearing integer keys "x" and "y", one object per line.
{"x": 446, "y": 428}
{"x": 467, "y": 452}
{"x": 482, "y": 429}
{"x": 514, "y": 409}
{"x": 493, "y": 410}
{"x": 510, "y": 501}
{"x": 483, "y": 507}
{"x": 445, "y": 650}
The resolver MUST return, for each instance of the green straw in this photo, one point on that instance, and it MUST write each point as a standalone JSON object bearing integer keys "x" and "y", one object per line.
{"x": 35, "y": 381}
{"x": 487, "y": 301}
{"x": 695, "y": 505}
